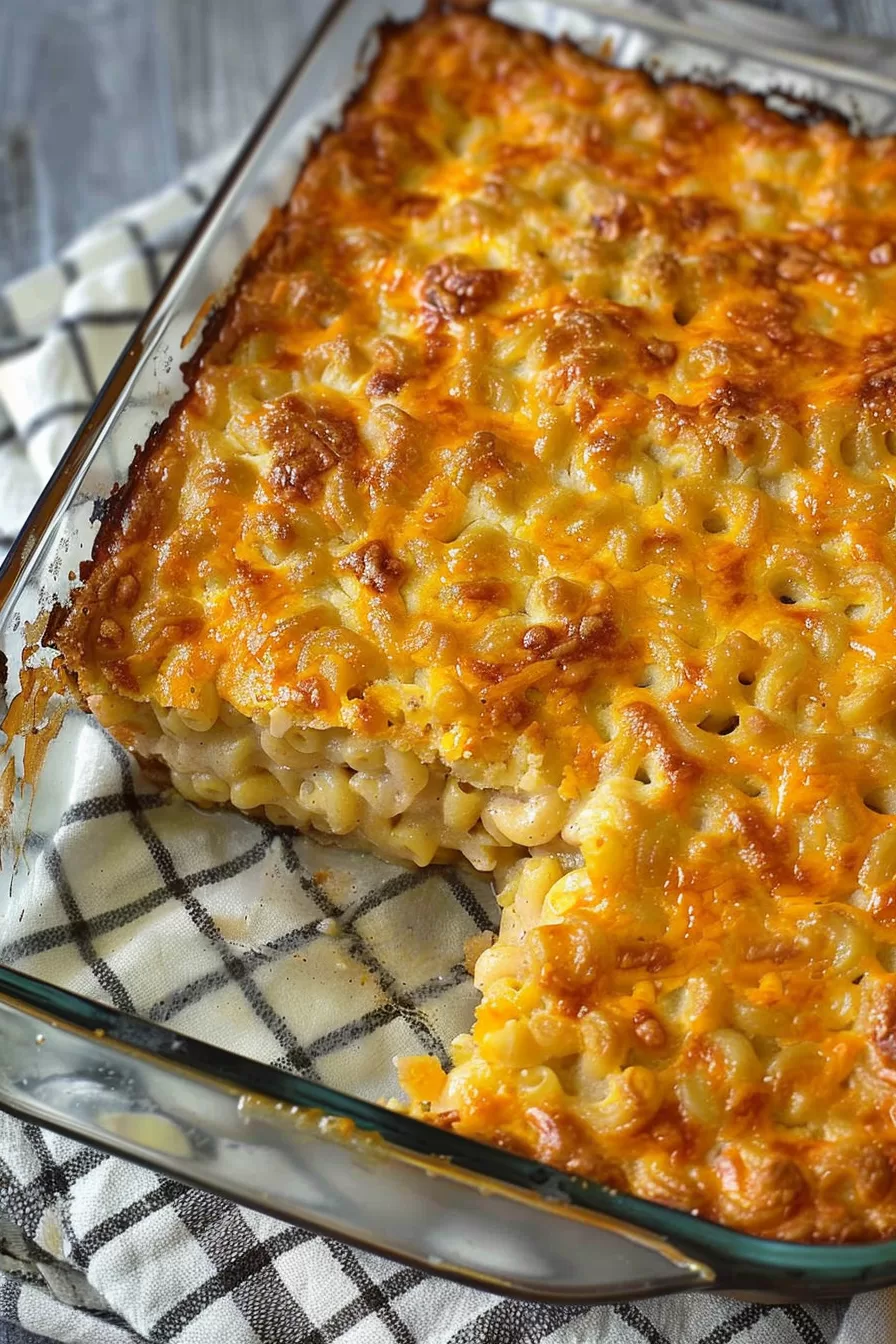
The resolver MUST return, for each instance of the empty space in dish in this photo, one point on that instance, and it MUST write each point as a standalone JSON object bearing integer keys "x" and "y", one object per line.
{"x": 313, "y": 957}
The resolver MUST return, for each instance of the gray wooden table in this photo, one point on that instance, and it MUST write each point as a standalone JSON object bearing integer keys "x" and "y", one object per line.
{"x": 103, "y": 101}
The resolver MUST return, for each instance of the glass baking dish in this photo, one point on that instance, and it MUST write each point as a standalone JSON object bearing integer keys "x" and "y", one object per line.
{"x": 296, "y": 1129}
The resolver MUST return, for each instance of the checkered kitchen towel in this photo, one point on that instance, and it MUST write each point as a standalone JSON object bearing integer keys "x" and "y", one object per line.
{"x": 95, "y": 1249}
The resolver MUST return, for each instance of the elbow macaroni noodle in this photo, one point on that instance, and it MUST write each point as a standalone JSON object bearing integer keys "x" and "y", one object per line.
{"x": 334, "y": 784}
{"x": 534, "y": 501}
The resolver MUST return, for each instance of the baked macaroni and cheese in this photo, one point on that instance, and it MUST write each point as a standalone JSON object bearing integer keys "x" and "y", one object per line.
{"x": 533, "y": 500}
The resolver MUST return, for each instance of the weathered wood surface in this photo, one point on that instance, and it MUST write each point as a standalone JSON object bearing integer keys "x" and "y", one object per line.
{"x": 103, "y": 101}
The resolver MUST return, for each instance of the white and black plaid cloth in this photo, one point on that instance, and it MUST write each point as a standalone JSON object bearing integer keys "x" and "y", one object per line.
{"x": 94, "y": 1249}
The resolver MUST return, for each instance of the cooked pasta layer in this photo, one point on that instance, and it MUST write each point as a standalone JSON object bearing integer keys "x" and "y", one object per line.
{"x": 535, "y": 490}
{"x": 336, "y": 783}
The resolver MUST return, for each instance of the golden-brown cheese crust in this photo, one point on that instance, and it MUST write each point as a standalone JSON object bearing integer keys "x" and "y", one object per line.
{"x": 552, "y": 433}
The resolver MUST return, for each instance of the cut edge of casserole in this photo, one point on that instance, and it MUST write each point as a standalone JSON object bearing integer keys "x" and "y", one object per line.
{"x": 533, "y": 499}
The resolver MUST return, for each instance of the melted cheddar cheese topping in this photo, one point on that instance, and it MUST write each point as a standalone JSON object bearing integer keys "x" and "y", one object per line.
{"x": 536, "y": 491}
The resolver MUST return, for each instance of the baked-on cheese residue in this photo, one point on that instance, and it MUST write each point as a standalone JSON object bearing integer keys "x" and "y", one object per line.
{"x": 534, "y": 498}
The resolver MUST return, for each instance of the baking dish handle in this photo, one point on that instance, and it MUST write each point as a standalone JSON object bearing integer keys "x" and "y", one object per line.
{"x": 146, "y": 1093}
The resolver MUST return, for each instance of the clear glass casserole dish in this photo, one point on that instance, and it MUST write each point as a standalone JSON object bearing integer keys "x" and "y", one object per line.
{"x": 82, "y": 828}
